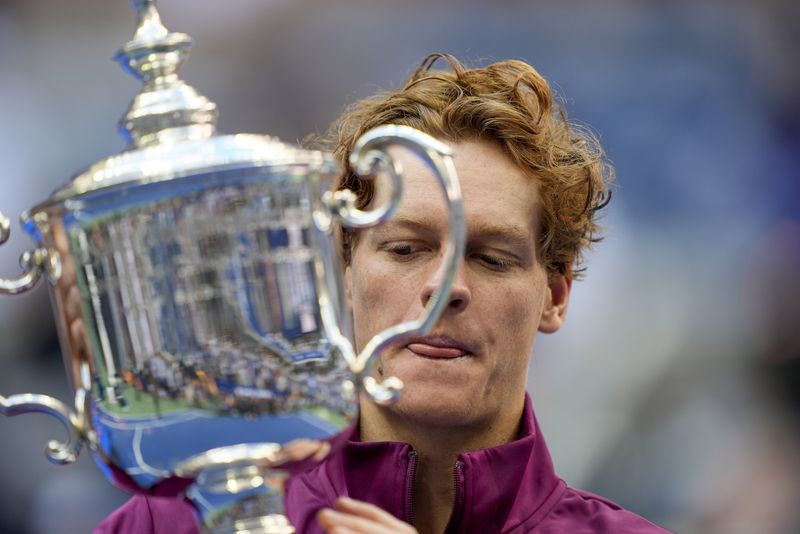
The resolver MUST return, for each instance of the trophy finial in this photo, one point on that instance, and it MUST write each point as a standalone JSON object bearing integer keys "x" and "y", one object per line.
{"x": 166, "y": 108}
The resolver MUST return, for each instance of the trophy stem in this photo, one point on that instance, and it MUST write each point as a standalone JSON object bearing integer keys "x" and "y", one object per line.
{"x": 241, "y": 499}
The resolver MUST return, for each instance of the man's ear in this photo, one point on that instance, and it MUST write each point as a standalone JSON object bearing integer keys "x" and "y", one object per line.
{"x": 556, "y": 301}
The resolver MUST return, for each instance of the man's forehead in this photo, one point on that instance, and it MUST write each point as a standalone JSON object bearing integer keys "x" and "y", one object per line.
{"x": 499, "y": 199}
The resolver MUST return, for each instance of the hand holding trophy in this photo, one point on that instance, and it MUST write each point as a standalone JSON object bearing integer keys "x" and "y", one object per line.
{"x": 198, "y": 297}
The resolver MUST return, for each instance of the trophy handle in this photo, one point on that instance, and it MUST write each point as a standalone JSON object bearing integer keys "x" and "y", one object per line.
{"x": 57, "y": 452}
{"x": 369, "y": 154}
{"x": 33, "y": 264}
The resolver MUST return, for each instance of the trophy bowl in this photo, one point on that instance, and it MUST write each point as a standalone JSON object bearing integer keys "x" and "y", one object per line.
{"x": 197, "y": 291}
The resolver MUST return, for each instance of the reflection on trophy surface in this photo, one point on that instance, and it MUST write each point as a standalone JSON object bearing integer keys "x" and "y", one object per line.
{"x": 197, "y": 294}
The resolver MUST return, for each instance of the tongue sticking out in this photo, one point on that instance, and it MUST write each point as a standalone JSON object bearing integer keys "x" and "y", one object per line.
{"x": 430, "y": 351}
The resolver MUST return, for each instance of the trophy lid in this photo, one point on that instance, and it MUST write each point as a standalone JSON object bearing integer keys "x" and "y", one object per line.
{"x": 170, "y": 128}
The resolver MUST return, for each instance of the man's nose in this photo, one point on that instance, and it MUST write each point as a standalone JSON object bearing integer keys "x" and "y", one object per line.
{"x": 459, "y": 297}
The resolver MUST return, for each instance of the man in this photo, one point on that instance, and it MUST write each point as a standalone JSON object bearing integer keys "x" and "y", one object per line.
{"x": 461, "y": 450}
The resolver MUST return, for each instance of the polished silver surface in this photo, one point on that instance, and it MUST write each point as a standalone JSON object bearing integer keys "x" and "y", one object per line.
{"x": 167, "y": 109}
{"x": 56, "y": 451}
{"x": 33, "y": 263}
{"x": 194, "y": 307}
{"x": 199, "y": 300}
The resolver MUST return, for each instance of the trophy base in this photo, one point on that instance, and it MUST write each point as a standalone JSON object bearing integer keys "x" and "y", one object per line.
{"x": 242, "y": 499}
{"x": 239, "y": 489}
{"x": 268, "y": 524}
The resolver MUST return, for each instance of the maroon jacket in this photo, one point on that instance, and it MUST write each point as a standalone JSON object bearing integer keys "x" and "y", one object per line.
{"x": 512, "y": 488}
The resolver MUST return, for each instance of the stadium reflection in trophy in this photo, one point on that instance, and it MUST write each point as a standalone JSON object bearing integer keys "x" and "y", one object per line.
{"x": 197, "y": 290}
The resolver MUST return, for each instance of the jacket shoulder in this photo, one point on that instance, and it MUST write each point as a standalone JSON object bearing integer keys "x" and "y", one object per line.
{"x": 144, "y": 514}
{"x": 582, "y": 512}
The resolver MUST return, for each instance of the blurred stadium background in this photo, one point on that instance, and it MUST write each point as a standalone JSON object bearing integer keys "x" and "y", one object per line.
{"x": 674, "y": 388}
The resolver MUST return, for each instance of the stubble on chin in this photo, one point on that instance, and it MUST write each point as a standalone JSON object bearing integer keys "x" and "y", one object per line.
{"x": 413, "y": 413}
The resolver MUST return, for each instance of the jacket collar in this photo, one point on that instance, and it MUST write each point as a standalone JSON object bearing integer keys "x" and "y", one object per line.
{"x": 496, "y": 488}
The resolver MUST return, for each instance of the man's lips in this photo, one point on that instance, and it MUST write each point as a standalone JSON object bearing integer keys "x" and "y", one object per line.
{"x": 438, "y": 347}
{"x": 431, "y": 351}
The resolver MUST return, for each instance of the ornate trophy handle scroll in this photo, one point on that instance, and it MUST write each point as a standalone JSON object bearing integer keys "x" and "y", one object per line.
{"x": 367, "y": 156}
{"x": 57, "y": 452}
{"x": 33, "y": 264}
{"x": 343, "y": 201}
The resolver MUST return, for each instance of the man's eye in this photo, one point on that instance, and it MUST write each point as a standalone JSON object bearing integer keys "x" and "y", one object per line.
{"x": 494, "y": 262}
{"x": 401, "y": 250}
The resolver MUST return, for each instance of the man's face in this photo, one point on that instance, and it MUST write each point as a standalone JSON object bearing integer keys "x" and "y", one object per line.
{"x": 472, "y": 367}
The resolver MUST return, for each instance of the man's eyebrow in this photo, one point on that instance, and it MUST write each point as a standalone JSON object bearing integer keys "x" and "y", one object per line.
{"x": 475, "y": 232}
{"x": 415, "y": 224}
{"x": 506, "y": 232}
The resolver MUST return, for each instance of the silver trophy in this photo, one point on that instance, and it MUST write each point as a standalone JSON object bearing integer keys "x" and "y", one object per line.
{"x": 197, "y": 291}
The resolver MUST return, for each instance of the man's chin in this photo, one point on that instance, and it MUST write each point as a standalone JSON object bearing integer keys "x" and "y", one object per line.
{"x": 435, "y": 392}
{"x": 434, "y": 410}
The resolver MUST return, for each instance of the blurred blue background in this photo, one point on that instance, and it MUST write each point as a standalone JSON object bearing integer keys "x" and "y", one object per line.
{"x": 674, "y": 388}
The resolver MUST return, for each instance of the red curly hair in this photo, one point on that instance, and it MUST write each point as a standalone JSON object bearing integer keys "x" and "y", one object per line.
{"x": 511, "y": 104}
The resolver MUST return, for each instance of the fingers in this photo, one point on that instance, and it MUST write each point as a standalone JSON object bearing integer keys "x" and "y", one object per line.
{"x": 367, "y": 511}
{"x": 356, "y": 517}
{"x": 301, "y": 449}
{"x": 72, "y": 303}
{"x": 322, "y": 453}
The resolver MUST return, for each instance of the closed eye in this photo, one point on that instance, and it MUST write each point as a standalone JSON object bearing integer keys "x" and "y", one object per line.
{"x": 493, "y": 262}
{"x": 403, "y": 250}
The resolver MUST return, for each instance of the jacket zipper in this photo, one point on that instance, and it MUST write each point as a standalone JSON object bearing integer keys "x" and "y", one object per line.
{"x": 411, "y": 477}
{"x": 458, "y": 502}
